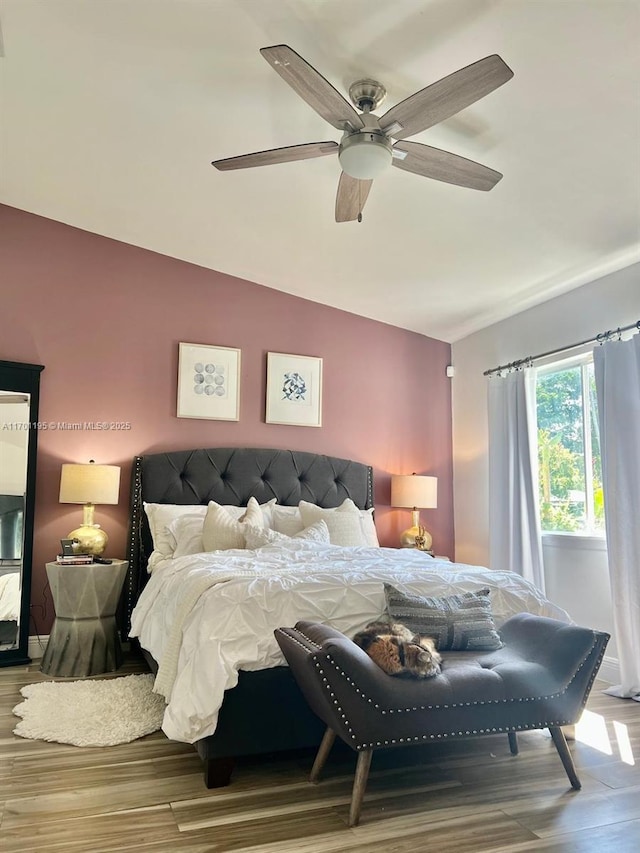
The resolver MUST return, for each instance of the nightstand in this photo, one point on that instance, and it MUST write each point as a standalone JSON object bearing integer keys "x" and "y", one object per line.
{"x": 440, "y": 557}
{"x": 84, "y": 637}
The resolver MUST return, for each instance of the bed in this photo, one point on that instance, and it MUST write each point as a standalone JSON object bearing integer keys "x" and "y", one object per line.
{"x": 205, "y": 619}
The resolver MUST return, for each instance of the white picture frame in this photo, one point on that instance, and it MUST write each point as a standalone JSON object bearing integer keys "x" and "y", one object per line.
{"x": 205, "y": 367}
{"x": 294, "y": 390}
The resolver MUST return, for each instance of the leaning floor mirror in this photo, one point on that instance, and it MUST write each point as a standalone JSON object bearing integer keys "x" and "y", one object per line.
{"x": 19, "y": 398}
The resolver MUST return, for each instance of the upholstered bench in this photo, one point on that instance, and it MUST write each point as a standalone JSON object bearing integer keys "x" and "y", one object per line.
{"x": 540, "y": 678}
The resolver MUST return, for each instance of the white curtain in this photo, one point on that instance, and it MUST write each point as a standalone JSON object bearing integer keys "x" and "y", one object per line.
{"x": 617, "y": 372}
{"x": 515, "y": 542}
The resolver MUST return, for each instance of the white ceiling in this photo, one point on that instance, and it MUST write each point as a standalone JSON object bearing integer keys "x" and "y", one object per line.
{"x": 113, "y": 109}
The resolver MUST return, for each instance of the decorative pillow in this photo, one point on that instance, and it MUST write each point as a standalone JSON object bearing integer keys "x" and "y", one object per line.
{"x": 462, "y": 622}
{"x": 266, "y": 509}
{"x": 238, "y": 512}
{"x": 369, "y": 537}
{"x": 256, "y": 537}
{"x": 221, "y": 531}
{"x": 345, "y": 526}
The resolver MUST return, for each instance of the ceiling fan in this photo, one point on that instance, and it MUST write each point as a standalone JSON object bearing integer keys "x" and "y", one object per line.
{"x": 366, "y": 147}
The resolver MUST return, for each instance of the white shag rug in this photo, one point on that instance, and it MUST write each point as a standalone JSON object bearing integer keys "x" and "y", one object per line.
{"x": 103, "y": 712}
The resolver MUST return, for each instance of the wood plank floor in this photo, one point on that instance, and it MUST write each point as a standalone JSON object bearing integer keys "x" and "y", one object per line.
{"x": 466, "y": 797}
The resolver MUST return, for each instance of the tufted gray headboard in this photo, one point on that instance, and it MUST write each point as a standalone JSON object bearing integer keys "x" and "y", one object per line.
{"x": 231, "y": 475}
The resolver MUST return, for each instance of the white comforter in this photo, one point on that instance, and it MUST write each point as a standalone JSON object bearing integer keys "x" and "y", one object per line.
{"x": 206, "y": 616}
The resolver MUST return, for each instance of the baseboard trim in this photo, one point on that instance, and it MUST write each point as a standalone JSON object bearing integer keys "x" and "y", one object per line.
{"x": 36, "y": 647}
{"x": 610, "y": 670}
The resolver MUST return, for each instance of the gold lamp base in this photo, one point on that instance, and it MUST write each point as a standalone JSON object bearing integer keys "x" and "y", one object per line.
{"x": 416, "y": 536}
{"x": 90, "y": 538}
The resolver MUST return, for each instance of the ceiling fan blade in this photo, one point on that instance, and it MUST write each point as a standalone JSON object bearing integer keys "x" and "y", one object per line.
{"x": 277, "y": 155}
{"x": 446, "y": 97}
{"x": 351, "y": 197}
{"x": 312, "y": 87}
{"x": 444, "y": 166}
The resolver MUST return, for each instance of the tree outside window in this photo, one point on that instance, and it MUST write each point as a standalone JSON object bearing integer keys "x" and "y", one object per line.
{"x": 570, "y": 470}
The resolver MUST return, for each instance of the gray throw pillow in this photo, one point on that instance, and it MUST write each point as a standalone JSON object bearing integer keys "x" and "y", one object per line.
{"x": 462, "y": 622}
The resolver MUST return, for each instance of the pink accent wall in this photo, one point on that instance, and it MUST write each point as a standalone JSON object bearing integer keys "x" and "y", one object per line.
{"x": 106, "y": 318}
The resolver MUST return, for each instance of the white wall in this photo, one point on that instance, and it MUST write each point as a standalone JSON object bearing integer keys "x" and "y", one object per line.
{"x": 576, "y": 562}
{"x": 604, "y": 304}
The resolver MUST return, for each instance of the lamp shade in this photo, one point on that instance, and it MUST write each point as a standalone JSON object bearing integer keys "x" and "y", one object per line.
{"x": 89, "y": 484}
{"x": 414, "y": 491}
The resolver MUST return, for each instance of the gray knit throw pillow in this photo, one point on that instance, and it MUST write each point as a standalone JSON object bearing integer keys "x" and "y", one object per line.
{"x": 462, "y": 622}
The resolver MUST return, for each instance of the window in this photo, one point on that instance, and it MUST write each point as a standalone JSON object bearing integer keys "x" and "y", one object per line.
{"x": 569, "y": 467}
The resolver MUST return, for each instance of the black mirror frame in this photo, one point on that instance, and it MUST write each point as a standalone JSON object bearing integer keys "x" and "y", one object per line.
{"x": 16, "y": 376}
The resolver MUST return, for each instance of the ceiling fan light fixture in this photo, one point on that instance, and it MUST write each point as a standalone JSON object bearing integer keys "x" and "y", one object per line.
{"x": 364, "y": 155}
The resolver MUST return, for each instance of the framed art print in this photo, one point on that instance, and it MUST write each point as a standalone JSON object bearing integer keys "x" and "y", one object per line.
{"x": 294, "y": 389}
{"x": 208, "y": 382}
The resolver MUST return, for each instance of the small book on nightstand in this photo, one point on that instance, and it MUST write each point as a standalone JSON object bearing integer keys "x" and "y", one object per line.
{"x": 74, "y": 560}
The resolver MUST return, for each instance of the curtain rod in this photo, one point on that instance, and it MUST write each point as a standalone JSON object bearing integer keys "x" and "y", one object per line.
{"x": 599, "y": 339}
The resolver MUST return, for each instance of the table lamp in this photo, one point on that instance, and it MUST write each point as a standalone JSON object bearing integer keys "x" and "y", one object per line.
{"x": 416, "y": 492}
{"x": 89, "y": 484}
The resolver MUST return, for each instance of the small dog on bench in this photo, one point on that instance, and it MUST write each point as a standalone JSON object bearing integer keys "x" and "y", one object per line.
{"x": 398, "y": 651}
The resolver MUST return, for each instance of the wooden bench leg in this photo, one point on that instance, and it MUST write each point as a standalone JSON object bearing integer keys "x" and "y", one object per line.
{"x": 323, "y": 753}
{"x": 563, "y": 751}
{"x": 359, "y": 785}
{"x": 513, "y": 742}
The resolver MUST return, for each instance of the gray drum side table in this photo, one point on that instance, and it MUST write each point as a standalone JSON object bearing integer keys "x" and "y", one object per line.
{"x": 84, "y": 637}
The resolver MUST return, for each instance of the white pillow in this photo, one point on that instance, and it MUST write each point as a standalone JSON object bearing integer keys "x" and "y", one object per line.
{"x": 221, "y": 531}
{"x": 160, "y": 516}
{"x": 369, "y": 528}
{"x": 287, "y": 520}
{"x": 256, "y": 537}
{"x": 345, "y": 526}
{"x": 187, "y": 534}
{"x": 368, "y": 538}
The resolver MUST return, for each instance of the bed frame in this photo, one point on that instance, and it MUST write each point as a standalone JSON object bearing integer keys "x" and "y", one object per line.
{"x": 265, "y": 712}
